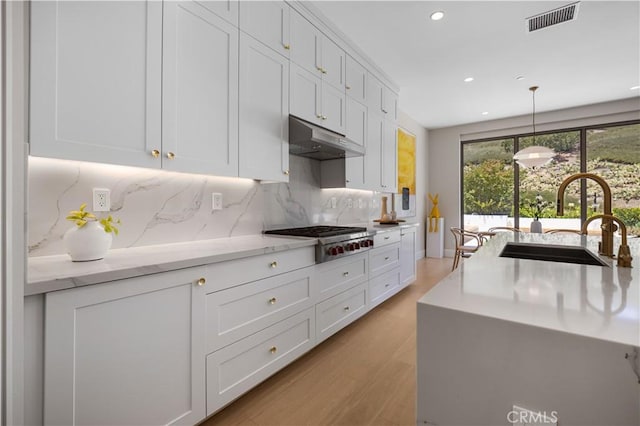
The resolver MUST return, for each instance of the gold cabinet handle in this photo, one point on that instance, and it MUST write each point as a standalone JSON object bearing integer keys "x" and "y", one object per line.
{"x": 386, "y": 238}
{"x": 171, "y": 155}
{"x": 386, "y": 285}
{"x": 386, "y": 258}
{"x": 286, "y": 172}
{"x": 287, "y": 46}
{"x": 273, "y": 349}
{"x": 346, "y": 308}
{"x": 273, "y": 264}
{"x": 155, "y": 153}
{"x": 273, "y": 301}
{"x": 324, "y": 117}
{"x": 318, "y": 115}
{"x": 201, "y": 281}
{"x": 344, "y": 274}
{"x": 319, "y": 68}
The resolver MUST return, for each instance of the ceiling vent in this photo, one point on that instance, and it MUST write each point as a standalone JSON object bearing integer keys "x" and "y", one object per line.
{"x": 553, "y": 17}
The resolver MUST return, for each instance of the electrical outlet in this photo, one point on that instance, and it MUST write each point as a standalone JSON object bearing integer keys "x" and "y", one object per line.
{"x": 216, "y": 201}
{"x": 349, "y": 203}
{"x": 360, "y": 203}
{"x": 101, "y": 200}
{"x": 334, "y": 202}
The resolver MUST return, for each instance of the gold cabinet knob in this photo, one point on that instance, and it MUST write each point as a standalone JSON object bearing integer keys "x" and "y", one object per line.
{"x": 171, "y": 155}
{"x": 347, "y": 87}
{"x": 155, "y": 153}
{"x": 344, "y": 274}
{"x": 287, "y": 46}
{"x": 319, "y": 68}
{"x": 318, "y": 115}
{"x": 346, "y": 308}
{"x": 273, "y": 264}
{"x": 324, "y": 117}
{"x": 286, "y": 172}
{"x": 273, "y": 349}
{"x": 273, "y": 301}
{"x": 386, "y": 258}
{"x": 323, "y": 71}
{"x": 201, "y": 281}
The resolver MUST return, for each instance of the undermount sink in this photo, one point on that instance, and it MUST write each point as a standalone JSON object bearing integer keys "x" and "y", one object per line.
{"x": 552, "y": 253}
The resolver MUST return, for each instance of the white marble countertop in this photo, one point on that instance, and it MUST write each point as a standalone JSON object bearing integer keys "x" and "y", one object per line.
{"x": 51, "y": 273}
{"x": 592, "y": 301}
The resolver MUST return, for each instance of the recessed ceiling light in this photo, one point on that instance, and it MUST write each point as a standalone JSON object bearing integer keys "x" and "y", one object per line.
{"x": 634, "y": 88}
{"x": 520, "y": 77}
{"x": 485, "y": 112}
{"x": 436, "y": 16}
{"x": 468, "y": 79}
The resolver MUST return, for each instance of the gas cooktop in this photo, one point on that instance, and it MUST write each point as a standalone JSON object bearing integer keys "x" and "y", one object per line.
{"x": 317, "y": 231}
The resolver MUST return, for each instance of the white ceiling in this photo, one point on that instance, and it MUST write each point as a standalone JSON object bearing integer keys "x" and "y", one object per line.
{"x": 595, "y": 58}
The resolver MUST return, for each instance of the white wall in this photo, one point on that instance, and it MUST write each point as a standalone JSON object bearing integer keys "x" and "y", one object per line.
{"x": 444, "y": 145}
{"x": 422, "y": 176}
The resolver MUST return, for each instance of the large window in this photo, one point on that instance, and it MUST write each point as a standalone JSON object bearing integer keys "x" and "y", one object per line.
{"x": 498, "y": 192}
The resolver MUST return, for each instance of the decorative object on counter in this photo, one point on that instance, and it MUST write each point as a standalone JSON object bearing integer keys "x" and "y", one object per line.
{"x": 91, "y": 238}
{"x": 538, "y": 205}
{"x": 534, "y": 156}
{"x": 389, "y": 222}
{"x": 384, "y": 213}
{"x": 393, "y": 213}
{"x": 434, "y": 215}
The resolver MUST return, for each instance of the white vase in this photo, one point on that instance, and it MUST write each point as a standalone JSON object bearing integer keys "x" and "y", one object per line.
{"x": 535, "y": 227}
{"x": 87, "y": 243}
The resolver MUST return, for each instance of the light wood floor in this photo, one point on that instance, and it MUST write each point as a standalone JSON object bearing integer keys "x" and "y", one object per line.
{"x": 363, "y": 375}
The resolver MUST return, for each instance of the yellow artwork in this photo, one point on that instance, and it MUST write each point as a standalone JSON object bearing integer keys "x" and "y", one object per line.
{"x": 406, "y": 161}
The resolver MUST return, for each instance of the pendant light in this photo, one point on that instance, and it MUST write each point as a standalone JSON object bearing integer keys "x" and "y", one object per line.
{"x": 534, "y": 156}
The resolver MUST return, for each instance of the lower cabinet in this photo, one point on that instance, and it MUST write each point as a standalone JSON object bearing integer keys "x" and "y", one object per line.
{"x": 235, "y": 369}
{"x": 341, "y": 310}
{"x": 126, "y": 352}
{"x": 408, "y": 255}
{"x": 383, "y": 287}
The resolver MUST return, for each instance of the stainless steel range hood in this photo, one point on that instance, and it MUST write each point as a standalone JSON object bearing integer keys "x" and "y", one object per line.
{"x": 309, "y": 140}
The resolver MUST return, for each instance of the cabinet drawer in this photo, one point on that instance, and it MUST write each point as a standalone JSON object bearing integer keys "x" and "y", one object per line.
{"x": 337, "y": 312}
{"x": 240, "y": 271}
{"x": 386, "y": 238}
{"x": 383, "y": 259}
{"x": 234, "y": 313}
{"x": 384, "y": 286}
{"x": 339, "y": 275}
{"x": 233, "y": 370}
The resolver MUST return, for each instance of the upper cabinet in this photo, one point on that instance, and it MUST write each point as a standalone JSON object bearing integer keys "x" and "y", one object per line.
{"x": 95, "y": 81}
{"x": 316, "y": 53}
{"x": 200, "y": 91}
{"x": 381, "y": 99}
{"x": 264, "y": 112}
{"x": 356, "y": 80}
{"x": 128, "y": 83}
{"x": 226, "y": 9}
{"x": 268, "y": 22}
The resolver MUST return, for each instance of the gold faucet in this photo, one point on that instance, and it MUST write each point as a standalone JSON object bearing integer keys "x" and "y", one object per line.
{"x": 624, "y": 253}
{"x": 608, "y": 227}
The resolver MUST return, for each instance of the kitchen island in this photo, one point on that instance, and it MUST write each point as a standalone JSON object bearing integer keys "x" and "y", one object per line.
{"x": 557, "y": 339}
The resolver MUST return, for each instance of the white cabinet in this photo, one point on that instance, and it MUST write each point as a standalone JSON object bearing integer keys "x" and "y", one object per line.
{"x": 384, "y": 267}
{"x": 267, "y": 22}
{"x": 146, "y": 84}
{"x": 389, "y": 155}
{"x": 126, "y": 352}
{"x": 381, "y": 156}
{"x": 264, "y": 112}
{"x": 313, "y": 101}
{"x": 316, "y": 53}
{"x": 227, "y": 9}
{"x": 381, "y": 99}
{"x": 95, "y": 81}
{"x": 408, "y": 238}
{"x": 356, "y": 80}
{"x": 200, "y": 91}
{"x": 340, "y": 310}
{"x": 383, "y": 287}
{"x": 235, "y": 369}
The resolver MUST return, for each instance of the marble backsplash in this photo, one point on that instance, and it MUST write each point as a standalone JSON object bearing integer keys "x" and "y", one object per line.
{"x": 157, "y": 207}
